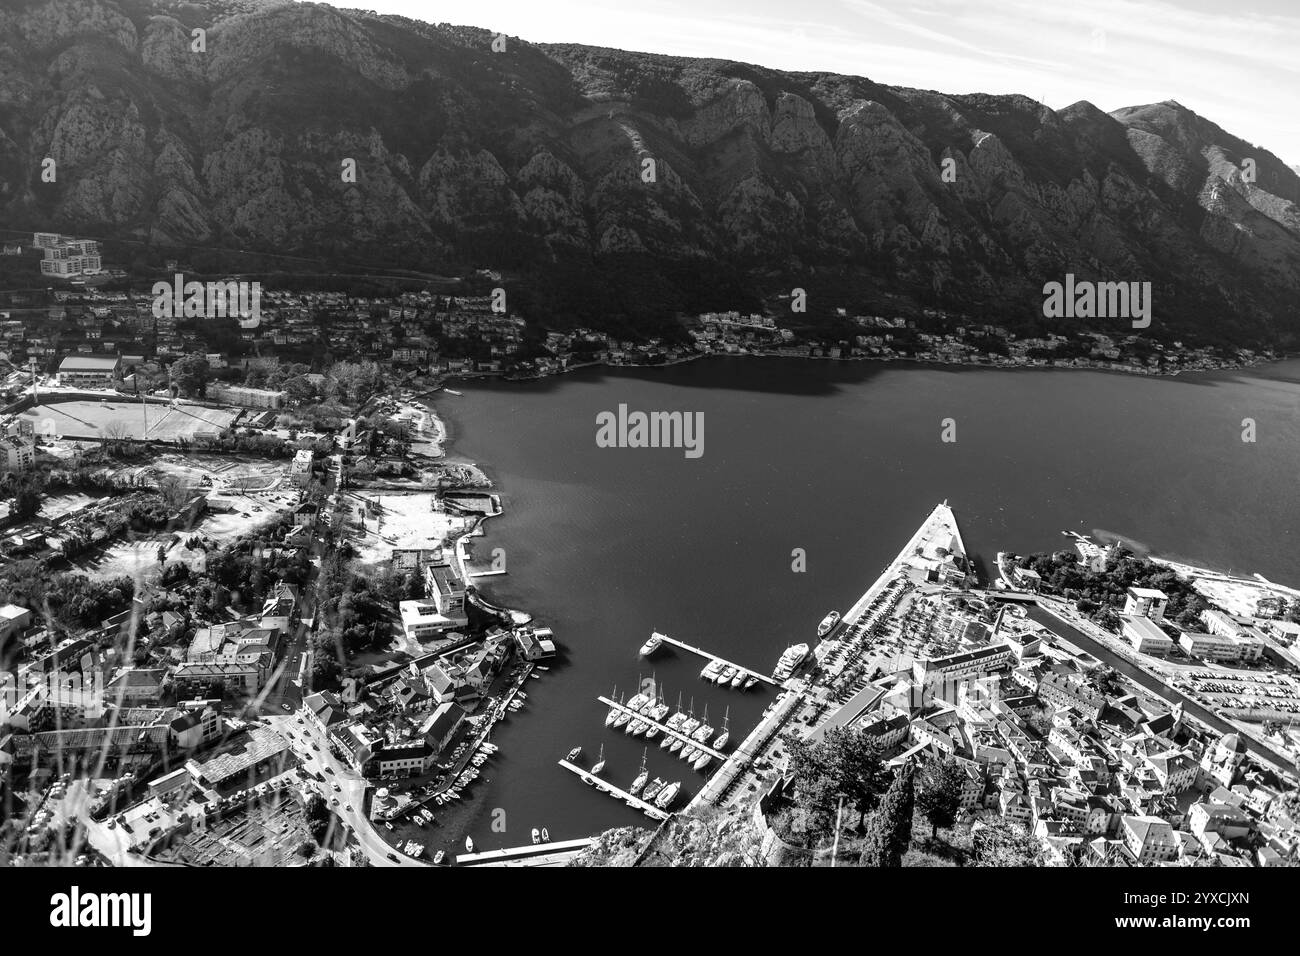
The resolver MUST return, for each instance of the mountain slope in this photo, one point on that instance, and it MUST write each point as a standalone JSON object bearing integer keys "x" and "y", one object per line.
{"x": 534, "y": 159}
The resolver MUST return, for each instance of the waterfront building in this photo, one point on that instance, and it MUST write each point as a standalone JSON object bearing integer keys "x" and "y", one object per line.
{"x": 447, "y": 590}
{"x": 1146, "y": 602}
{"x": 1230, "y": 648}
{"x": 423, "y": 620}
{"x": 1146, "y": 636}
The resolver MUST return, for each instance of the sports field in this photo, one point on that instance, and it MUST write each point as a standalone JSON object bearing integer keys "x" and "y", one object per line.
{"x": 122, "y": 419}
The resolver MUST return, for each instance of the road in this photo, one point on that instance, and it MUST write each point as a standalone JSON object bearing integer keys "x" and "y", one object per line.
{"x": 312, "y": 748}
{"x": 1072, "y": 628}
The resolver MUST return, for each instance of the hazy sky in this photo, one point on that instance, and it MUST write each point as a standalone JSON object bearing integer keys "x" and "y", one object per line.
{"x": 1236, "y": 62}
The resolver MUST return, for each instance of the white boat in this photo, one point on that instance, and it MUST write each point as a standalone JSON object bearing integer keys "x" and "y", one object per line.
{"x": 641, "y": 778}
{"x": 675, "y": 746}
{"x": 652, "y": 645}
{"x": 750, "y": 682}
{"x": 711, "y": 669}
{"x": 725, "y": 675}
{"x": 438, "y": 857}
{"x": 652, "y": 789}
{"x": 469, "y": 844}
{"x": 546, "y": 836}
{"x": 689, "y": 753}
{"x": 828, "y": 623}
{"x": 702, "y": 761}
{"x": 452, "y": 391}
{"x": 537, "y": 835}
{"x": 613, "y": 711}
{"x": 791, "y": 658}
{"x": 667, "y": 795}
{"x": 738, "y": 680}
{"x": 574, "y": 754}
{"x": 726, "y": 732}
{"x": 600, "y": 761}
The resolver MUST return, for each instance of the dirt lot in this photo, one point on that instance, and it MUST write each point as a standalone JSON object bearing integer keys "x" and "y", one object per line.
{"x": 90, "y": 419}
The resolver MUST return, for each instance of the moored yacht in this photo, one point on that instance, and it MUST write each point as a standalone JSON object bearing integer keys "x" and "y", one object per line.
{"x": 652, "y": 645}
{"x": 791, "y": 658}
{"x": 667, "y": 795}
{"x": 711, "y": 669}
{"x": 828, "y": 623}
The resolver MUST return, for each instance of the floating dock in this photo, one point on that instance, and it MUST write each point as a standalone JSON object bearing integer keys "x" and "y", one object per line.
{"x": 714, "y": 657}
{"x": 649, "y": 809}
{"x": 665, "y": 729}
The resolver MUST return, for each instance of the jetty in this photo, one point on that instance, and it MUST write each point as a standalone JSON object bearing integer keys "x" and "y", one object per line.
{"x": 749, "y": 672}
{"x": 663, "y": 728}
{"x": 532, "y": 854}
{"x": 649, "y": 809}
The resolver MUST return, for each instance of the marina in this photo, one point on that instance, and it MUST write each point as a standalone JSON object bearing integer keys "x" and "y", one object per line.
{"x": 648, "y": 809}
{"x": 663, "y": 728}
{"x": 714, "y": 657}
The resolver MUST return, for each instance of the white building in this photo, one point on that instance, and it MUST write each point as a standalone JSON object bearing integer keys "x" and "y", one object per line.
{"x": 1146, "y": 602}
{"x": 1146, "y": 636}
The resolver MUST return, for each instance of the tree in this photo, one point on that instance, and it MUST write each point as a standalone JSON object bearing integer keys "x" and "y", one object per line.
{"x": 889, "y": 829}
{"x": 938, "y": 795}
{"x": 1000, "y": 842}
{"x": 846, "y": 763}
{"x": 190, "y": 375}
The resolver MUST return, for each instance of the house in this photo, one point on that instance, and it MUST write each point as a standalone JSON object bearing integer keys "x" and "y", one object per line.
{"x": 324, "y": 709}
{"x": 1150, "y": 839}
{"x": 135, "y": 686}
{"x": 196, "y": 728}
{"x": 535, "y": 643}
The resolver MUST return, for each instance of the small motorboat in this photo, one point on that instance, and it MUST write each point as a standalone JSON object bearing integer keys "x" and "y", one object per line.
{"x": 652, "y": 645}
{"x": 546, "y": 836}
{"x": 439, "y": 856}
{"x": 469, "y": 844}
{"x": 574, "y": 754}
{"x": 537, "y": 835}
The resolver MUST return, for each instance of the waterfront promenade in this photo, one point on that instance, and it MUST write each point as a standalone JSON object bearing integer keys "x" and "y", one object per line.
{"x": 808, "y": 700}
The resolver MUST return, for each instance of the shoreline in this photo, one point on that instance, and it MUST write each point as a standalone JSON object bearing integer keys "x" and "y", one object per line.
{"x": 884, "y": 359}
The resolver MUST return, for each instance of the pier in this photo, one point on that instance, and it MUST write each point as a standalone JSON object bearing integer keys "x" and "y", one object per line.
{"x": 649, "y": 809}
{"x": 714, "y": 657}
{"x": 664, "y": 729}
{"x": 531, "y": 854}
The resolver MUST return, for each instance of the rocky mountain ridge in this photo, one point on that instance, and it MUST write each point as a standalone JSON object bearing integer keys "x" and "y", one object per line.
{"x": 618, "y": 183}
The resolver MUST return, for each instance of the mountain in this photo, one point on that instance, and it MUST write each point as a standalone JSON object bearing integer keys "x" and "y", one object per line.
{"x": 532, "y": 161}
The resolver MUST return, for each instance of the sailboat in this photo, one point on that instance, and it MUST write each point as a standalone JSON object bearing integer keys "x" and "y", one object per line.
{"x": 726, "y": 732}
{"x": 613, "y": 711}
{"x": 641, "y": 778}
{"x": 600, "y": 761}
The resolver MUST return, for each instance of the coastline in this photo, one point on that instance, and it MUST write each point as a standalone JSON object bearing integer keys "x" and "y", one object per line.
{"x": 1119, "y": 369}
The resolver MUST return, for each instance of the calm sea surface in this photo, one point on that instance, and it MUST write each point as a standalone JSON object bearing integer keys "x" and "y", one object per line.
{"x": 843, "y": 461}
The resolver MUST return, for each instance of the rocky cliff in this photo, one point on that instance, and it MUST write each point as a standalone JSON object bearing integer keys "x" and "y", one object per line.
{"x": 623, "y": 181}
